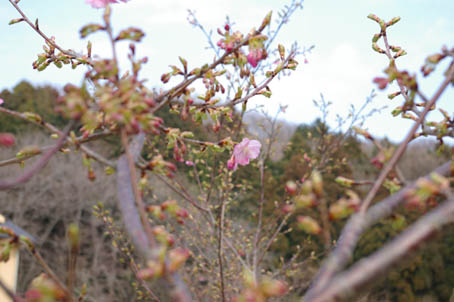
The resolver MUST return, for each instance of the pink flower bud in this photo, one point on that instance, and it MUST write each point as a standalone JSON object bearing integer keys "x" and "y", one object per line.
{"x": 7, "y": 139}
{"x": 381, "y": 82}
{"x": 101, "y": 3}
{"x": 290, "y": 187}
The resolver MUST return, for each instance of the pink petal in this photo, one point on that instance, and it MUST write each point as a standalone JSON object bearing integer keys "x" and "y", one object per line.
{"x": 1, "y": 101}
{"x": 101, "y": 3}
{"x": 246, "y": 150}
{"x": 231, "y": 164}
{"x": 252, "y": 59}
{"x": 254, "y": 149}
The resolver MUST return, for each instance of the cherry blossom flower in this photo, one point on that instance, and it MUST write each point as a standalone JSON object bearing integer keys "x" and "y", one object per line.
{"x": 255, "y": 55}
{"x": 102, "y": 3}
{"x": 243, "y": 153}
{"x": 1, "y": 101}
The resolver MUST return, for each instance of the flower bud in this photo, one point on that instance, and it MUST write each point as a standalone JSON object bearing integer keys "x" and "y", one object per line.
{"x": 274, "y": 288}
{"x": 177, "y": 257}
{"x": 7, "y": 140}
{"x": 291, "y": 187}
{"x": 309, "y": 225}
{"x": 74, "y": 236}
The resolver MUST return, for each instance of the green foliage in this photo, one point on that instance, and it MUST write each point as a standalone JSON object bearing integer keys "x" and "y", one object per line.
{"x": 429, "y": 271}
{"x": 24, "y": 97}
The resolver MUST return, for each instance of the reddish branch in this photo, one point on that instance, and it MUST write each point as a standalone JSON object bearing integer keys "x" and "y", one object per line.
{"x": 131, "y": 207}
{"x": 4, "y": 185}
{"x": 126, "y": 198}
{"x": 53, "y": 129}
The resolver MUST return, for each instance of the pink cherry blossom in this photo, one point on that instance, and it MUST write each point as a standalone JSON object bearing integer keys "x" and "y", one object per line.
{"x": 243, "y": 153}
{"x": 254, "y": 56}
{"x": 1, "y": 101}
{"x": 102, "y": 3}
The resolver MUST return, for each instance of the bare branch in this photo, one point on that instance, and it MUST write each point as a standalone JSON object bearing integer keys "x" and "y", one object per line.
{"x": 351, "y": 233}
{"x": 366, "y": 270}
{"x": 39, "y": 165}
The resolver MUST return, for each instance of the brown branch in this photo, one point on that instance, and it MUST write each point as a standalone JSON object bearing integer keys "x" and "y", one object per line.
{"x": 69, "y": 53}
{"x": 220, "y": 249}
{"x": 166, "y": 97}
{"x": 39, "y": 165}
{"x": 402, "y": 147}
{"x": 255, "y": 244}
{"x": 78, "y": 141}
{"x": 54, "y": 129}
{"x": 355, "y": 227}
{"x": 48, "y": 270}
{"x": 367, "y": 270}
{"x": 10, "y": 293}
{"x": 127, "y": 198}
{"x": 273, "y": 237}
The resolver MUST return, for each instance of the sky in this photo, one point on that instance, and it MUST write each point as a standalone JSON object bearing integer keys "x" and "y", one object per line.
{"x": 341, "y": 65}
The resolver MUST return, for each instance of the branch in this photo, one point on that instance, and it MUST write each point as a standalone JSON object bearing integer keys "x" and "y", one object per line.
{"x": 77, "y": 141}
{"x": 366, "y": 270}
{"x": 10, "y": 293}
{"x": 126, "y": 199}
{"x": 54, "y": 129}
{"x": 400, "y": 151}
{"x": 35, "y": 27}
{"x": 355, "y": 227}
{"x": 164, "y": 98}
{"x": 39, "y": 165}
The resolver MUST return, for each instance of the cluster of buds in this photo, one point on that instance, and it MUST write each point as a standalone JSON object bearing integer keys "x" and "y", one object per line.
{"x": 344, "y": 207}
{"x": 433, "y": 60}
{"x": 176, "y": 142}
{"x": 257, "y": 51}
{"x": 43, "y": 289}
{"x": 159, "y": 165}
{"x": 382, "y": 157}
{"x": 162, "y": 236}
{"x": 172, "y": 208}
{"x": 159, "y": 267}
{"x": 128, "y": 105}
{"x": 305, "y": 195}
{"x": 229, "y": 40}
{"x": 425, "y": 190}
{"x": 261, "y": 291}
{"x": 383, "y": 26}
{"x": 58, "y": 59}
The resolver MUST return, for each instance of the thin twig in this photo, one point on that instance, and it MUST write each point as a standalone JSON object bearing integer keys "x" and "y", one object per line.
{"x": 48, "y": 270}
{"x": 10, "y": 293}
{"x": 39, "y": 165}
{"x": 220, "y": 249}
{"x": 402, "y": 147}
{"x": 69, "y": 53}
